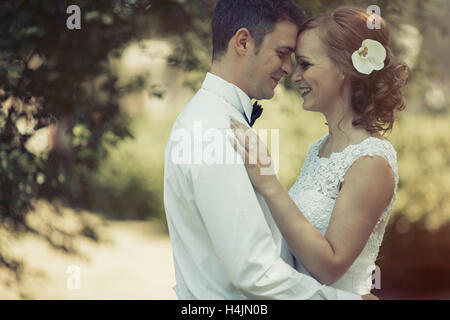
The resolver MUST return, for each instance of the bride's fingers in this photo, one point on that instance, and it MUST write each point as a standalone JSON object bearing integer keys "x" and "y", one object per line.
{"x": 237, "y": 123}
{"x": 248, "y": 138}
{"x": 264, "y": 154}
{"x": 239, "y": 148}
{"x": 241, "y": 135}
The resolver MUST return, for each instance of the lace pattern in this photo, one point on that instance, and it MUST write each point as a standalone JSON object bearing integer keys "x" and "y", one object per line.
{"x": 315, "y": 193}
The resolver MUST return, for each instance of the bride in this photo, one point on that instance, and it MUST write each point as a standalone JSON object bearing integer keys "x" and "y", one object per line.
{"x": 334, "y": 216}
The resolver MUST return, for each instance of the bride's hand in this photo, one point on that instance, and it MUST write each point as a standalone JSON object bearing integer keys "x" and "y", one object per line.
{"x": 256, "y": 158}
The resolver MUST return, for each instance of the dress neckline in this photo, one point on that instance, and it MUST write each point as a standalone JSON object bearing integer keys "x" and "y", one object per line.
{"x": 325, "y": 138}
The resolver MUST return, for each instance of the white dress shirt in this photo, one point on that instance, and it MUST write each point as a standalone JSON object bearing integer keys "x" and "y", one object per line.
{"x": 226, "y": 244}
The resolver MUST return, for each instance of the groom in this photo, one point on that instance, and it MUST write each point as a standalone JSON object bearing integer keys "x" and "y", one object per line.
{"x": 225, "y": 243}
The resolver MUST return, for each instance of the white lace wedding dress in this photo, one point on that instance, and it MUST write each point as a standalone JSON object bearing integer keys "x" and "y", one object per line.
{"x": 315, "y": 193}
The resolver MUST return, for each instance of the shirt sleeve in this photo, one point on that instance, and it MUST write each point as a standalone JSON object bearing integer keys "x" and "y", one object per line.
{"x": 242, "y": 238}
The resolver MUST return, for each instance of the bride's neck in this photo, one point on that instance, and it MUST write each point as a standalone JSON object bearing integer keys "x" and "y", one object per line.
{"x": 341, "y": 131}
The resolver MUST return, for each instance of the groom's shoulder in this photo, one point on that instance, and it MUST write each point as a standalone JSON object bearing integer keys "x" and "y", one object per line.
{"x": 205, "y": 107}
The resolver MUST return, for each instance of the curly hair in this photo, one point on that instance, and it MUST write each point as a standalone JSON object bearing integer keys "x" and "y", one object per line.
{"x": 374, "y": 97}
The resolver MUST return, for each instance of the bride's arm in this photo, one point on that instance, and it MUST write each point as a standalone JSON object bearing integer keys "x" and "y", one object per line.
{"x": 365, "y": 193}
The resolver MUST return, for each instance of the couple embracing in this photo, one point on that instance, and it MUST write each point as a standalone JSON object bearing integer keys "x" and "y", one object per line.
{"x": 236, "y": 232}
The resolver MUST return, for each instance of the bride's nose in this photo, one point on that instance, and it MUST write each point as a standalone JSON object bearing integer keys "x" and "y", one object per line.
{"x": 297, "y": 75}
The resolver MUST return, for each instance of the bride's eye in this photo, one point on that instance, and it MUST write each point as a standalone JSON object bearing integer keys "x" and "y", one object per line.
{"x": 305, "y": 65}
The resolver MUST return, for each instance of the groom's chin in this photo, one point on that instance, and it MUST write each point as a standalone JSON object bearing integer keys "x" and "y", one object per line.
{"x": 268, "y": 95}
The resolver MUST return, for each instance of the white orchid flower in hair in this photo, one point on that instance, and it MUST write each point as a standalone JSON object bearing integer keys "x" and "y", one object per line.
{"x": 369, "y": 57}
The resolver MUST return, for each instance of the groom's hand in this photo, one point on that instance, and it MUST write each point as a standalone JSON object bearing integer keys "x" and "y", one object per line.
{"x": 370, "y": 297}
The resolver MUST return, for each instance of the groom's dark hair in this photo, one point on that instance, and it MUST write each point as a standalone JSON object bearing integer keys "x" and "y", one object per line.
{"x": 258, "y": 16}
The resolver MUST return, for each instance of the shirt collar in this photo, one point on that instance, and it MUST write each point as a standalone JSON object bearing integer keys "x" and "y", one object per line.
{"x": 230, "y": 92}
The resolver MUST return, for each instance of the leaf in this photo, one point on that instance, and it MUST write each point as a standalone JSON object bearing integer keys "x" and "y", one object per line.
{"x": 91, "y": 16}
{"x": 107, "y": 19}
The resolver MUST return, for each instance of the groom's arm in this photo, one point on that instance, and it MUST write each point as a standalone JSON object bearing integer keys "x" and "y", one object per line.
{"x": 241, "y": 236}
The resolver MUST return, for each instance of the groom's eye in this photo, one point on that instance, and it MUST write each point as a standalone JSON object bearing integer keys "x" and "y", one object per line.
{"x": 283, "y": 54}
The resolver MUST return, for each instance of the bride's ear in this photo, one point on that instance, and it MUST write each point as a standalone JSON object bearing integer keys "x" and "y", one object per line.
{"x": 345, "y": 77}
{"x": 345, "y": 83}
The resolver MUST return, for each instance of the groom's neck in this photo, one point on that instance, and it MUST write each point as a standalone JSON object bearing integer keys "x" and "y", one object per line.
{"x": 229, "y": 73}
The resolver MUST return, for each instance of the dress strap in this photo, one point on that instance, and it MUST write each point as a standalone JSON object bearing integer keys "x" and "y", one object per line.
{"x": 371, "y": 147}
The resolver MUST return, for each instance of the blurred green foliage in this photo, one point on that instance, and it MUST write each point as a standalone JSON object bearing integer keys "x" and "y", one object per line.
{"x": 129, "y": 182}
{"x": 55, "y": 78}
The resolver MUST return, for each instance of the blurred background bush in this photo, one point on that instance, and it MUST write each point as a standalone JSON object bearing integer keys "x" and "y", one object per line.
{"x": 85, "y": 116}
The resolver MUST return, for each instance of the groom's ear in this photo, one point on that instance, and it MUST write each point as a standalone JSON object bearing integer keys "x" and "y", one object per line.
{"x": 242, "y": 41}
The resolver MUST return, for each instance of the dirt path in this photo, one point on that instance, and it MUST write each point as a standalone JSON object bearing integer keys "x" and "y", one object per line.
{"x": 136, "y": 263}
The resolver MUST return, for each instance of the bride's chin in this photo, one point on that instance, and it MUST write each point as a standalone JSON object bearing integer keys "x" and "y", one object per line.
{"x": 309, "y": 107}
{"x": 306, "y": 106}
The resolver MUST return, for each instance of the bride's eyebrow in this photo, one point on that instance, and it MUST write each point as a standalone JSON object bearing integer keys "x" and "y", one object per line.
{"x": 298, "y": 57}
